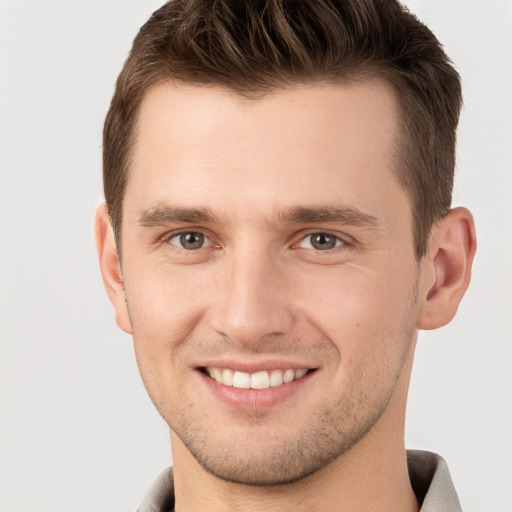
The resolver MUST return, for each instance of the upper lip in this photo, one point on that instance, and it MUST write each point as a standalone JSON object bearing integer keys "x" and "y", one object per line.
{"x": 256, "y": 365}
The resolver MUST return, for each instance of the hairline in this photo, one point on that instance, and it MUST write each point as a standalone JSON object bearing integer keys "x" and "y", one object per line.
{"x": 357, "y": 74}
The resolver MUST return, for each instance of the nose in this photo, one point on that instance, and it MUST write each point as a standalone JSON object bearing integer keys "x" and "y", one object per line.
{"x": 252, "y": 301}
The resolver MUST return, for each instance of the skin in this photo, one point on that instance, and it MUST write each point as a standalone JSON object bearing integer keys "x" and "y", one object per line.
{"x": 257, "y": 179}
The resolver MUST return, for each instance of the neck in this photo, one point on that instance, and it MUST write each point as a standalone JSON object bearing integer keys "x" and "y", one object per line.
{"x": 379, "y": 482}
{"x": 372, "y": 475}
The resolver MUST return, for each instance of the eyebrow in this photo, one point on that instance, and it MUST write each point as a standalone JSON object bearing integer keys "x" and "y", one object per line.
{"x": 345, "y": 216}
{"x": 167, "y": 214}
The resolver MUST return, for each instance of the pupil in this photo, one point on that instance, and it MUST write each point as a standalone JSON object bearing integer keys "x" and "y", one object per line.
{"x": 191, "y": 240}
{"x": 323, "y": 241}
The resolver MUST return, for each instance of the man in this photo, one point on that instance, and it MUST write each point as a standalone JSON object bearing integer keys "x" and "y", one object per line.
{"x": 277, "y": 229}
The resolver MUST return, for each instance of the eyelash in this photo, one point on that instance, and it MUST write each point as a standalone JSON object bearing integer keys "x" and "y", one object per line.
{"x": 339, "y": 241}
{"x": 169, "y": 236}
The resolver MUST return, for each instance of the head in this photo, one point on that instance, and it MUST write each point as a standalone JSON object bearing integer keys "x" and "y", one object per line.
{"x": 278, "y": 175}
{"x": 252, "y": 48}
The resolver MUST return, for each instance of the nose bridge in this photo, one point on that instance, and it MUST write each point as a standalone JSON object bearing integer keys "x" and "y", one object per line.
{"x": 251, "y": 300}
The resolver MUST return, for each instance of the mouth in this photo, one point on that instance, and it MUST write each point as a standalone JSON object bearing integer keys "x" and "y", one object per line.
{"x": 263, "y": 379}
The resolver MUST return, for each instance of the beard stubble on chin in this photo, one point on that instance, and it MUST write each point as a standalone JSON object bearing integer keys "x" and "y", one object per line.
{"x": 262, "y": 455}
{"x": 274, "y": 457}
{"x": 280, "y": 459}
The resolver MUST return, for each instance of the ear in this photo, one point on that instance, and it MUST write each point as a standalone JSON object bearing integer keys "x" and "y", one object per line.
{"x": 110, "y": 267}
{"x": 446, "y": 269}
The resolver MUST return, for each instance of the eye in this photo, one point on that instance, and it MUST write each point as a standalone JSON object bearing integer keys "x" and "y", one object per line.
{"x": 189, "y": 240}
{"x": 320, "y": 242}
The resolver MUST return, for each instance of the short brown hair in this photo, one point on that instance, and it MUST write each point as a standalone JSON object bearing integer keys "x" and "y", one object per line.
{"x": 255, "y": 46}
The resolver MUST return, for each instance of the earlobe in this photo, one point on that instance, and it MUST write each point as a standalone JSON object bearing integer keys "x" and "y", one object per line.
{"x": 110, "y": 267}
{"x": 446, "y": 269}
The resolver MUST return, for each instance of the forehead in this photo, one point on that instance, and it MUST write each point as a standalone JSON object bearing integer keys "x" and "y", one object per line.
{"x": 307, "y": 143}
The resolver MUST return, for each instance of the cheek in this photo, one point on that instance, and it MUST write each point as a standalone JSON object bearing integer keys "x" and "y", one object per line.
{"x": 164, "y": 301}
{"x": 164, "y": 311}
{"x": 364, "y": 312}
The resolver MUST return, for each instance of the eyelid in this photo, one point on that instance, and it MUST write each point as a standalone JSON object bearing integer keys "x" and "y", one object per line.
{"x": 338, "y": 242}
{"x": 346, "y": 240}
{"x": 340, "y": 237}
{"x": 167, "y": 237}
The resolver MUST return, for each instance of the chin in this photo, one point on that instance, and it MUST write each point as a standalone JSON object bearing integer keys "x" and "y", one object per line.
{"x": 260, "y": 473}
{"x": 263, "y": 461}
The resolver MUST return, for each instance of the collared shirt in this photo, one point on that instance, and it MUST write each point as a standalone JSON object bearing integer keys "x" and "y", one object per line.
{"x": 428, "y": 472}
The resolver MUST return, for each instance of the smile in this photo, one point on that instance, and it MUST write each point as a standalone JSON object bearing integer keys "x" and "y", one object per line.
{"x": 259, "y": 380}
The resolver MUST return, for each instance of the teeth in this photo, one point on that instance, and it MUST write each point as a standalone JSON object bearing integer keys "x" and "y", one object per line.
{"x": 276, "y": 378}
{"x": 260, "y": 380}
{"x": 300, "y": 373}
{"x": 217, "y": 375}
{"x": 288, "y": 376}
{"x": 257, "y": 380}
{"x": 227, "y": 377}
{"x": 241, "y": 380}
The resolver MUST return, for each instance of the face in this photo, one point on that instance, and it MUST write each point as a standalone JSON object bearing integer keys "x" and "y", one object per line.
{"x": 269, "y": 272}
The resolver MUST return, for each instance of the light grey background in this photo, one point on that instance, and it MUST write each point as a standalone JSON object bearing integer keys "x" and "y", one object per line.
{"x": 77, "y": 431}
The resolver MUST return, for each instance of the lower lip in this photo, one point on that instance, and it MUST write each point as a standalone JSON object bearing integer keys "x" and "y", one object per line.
{"x": 254, "y": 398}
